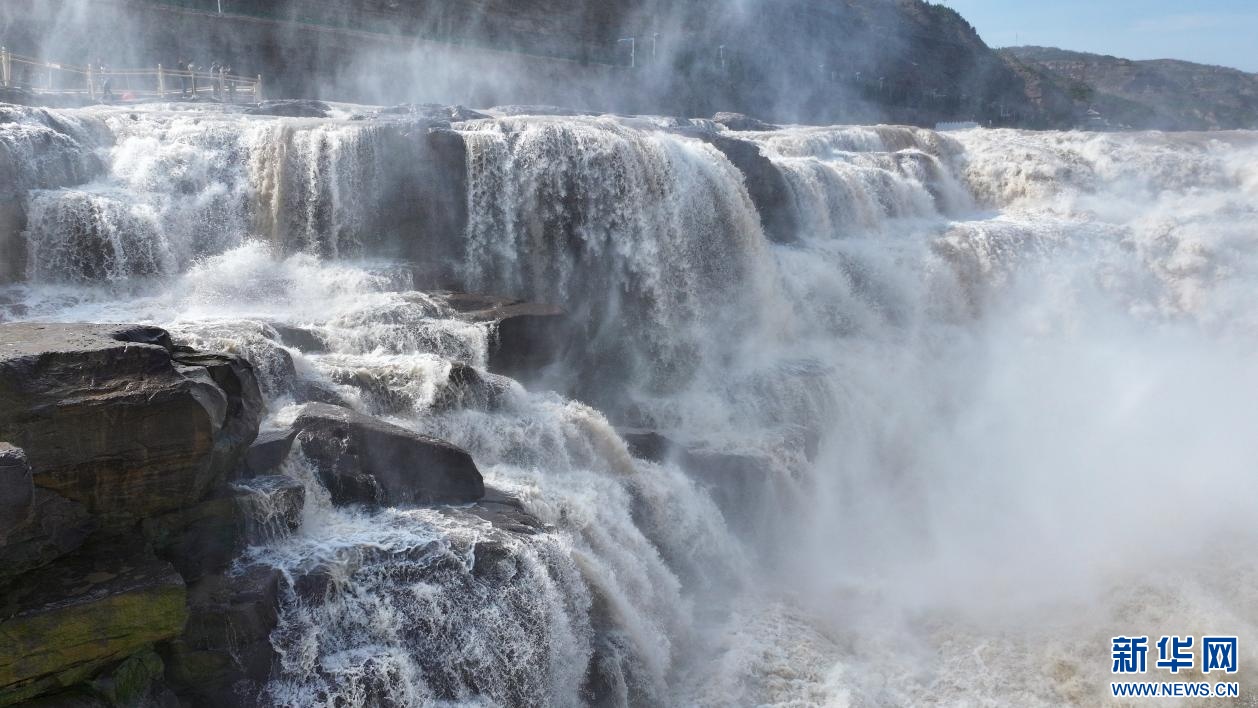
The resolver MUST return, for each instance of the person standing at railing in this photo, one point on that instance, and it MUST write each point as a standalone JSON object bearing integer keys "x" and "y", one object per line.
{"x": 231, "y": 84}
{"x": 182, "y": 66}
{"x": 214, "y": 80}
{"x": 106, "y": 83}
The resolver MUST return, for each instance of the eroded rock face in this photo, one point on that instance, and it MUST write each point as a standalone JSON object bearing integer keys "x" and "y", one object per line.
{"x": 116, "y": 419}
{"x": 766, "y": 184}
{"x": 528, "y": 336}
{"x": 363, "y": 460}
{"x": 52, "y": 527}
{"x": 224, "y": 656}
{"x": 63, "y": 623}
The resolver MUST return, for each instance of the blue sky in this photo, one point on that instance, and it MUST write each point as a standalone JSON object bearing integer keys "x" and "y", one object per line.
{"x": 1208, "y": 31}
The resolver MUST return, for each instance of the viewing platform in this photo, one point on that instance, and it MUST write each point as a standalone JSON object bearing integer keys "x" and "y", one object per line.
{"x": 95, "y": 84}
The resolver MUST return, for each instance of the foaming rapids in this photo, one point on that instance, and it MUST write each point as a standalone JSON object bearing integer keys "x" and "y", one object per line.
{"x": 988, "y": 410}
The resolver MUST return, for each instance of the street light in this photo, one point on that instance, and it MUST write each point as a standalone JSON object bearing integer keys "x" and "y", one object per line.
{"x": 633, "y": 50}
{"x": 655, "y": 40}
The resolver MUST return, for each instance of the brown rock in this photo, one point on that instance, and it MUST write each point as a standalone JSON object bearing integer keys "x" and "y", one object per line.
{"x": 110, "y": 418}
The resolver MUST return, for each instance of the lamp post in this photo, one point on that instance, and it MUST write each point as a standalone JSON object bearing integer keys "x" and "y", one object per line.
{"x": 633, "y": 50}
{"x": 655, "y": 40}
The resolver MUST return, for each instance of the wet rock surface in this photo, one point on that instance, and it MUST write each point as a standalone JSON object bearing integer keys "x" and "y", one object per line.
{"x": 60, "y": 624}
{"x": 363, "y": 460}
{"x": 769, "y": 190}
{"x": 114, "y": 493}
{"x": 528, "y": 336}
{"x": 51, "y": 527}
{"x": 111, "y": 418}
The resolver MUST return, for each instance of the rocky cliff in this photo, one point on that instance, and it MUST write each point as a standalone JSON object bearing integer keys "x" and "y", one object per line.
{"x": 814, "y": 61}
{"x": 1158, "y": 95}
{"x": 132, "y": 481}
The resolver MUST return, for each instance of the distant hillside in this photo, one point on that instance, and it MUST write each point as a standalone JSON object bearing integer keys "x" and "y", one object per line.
{"x": 814, "y": 61}
{"x": 1162, "y": 94}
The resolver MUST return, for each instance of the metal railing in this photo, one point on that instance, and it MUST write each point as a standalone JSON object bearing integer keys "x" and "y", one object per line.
{"x": 124, "y": 85}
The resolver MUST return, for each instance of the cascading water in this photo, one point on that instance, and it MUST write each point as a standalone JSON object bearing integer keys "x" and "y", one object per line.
{"x": 927, "y": 454}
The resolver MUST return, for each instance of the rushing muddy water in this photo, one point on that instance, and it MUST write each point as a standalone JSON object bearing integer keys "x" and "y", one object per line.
{"x": 994, "y": 406}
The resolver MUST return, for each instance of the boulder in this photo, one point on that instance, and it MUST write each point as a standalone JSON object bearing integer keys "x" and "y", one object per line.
{"x": 465, "y": 387}
{"x": 268, "y": 452}
{"x": 767, "y": 186}
{"x": 527, "y": 336}
{"x": 302, "y": 339}
{"x": 114, "y": 418}
{"x": 363, "y": 460}
{"x": 224, "y": 656}
{"x": 740, "y": 122}
{"x": 63, "y": 623}
{"x": 505, "y": 512}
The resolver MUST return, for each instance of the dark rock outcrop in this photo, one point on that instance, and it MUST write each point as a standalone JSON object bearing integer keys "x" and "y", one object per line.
{"x": 304, "y": 340}
{"x": 363, "y": 460}
{"x": 206, "y": 538}
{"x": 52, "y": 527}
{"x": 120, "y": 431}
{"x": 505, "y": 512}
{"x": 116, "y": 419}
{"x": 466, "y": 387}
{"x": 272, "y": 506}
{"x": 224, "y": 656}
{"x": 648, "y": 444}
{"x": 528, "y": 336}
{"x": 17, "y": 491}
{"x": 61, "y": 624}
{"x": 766, "y": 184}
{"x": 268, "y": 452}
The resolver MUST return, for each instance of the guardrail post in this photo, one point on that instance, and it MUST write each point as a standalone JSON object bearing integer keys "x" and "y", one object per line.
{"x": 5, "y": 72}
{"x": 257, "y": 90}
{"x": 161, "y": 82}
{"x": 91, "y": 83}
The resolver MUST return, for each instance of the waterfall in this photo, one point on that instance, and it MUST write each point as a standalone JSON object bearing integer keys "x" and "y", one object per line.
{"x": 924, "y": 453}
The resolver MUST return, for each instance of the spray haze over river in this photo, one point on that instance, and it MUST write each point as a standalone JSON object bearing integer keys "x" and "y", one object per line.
{"x": 992, "y": 404}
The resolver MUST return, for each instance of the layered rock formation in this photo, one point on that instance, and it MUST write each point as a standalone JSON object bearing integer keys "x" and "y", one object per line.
{"x": 1113, "y": 93}
{"x": 132, "y": 481}
{"x": 115, "y": 435}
